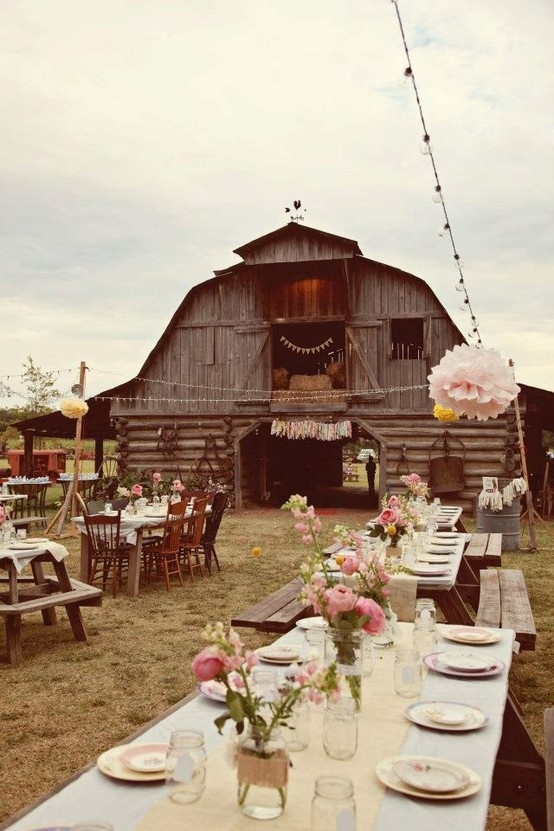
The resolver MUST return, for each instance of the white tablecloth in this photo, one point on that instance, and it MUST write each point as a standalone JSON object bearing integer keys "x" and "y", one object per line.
{"x": 94, "y": 795}
{"x": 22, "y": 558}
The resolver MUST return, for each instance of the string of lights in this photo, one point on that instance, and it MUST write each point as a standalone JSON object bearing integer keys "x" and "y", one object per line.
{"x": 438, "y": 195}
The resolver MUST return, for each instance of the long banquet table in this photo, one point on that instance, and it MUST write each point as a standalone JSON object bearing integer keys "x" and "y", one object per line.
{"x": 384, "y": 732}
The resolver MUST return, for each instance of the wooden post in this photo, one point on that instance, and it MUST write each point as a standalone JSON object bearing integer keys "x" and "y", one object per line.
{"x": 530, "y": 513}
{"x": 78, "y": 445}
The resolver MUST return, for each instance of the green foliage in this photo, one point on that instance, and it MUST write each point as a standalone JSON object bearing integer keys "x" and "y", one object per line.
{"x": 40, "y": 386}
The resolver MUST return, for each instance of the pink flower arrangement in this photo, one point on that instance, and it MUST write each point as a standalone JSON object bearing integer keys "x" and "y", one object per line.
{"x": 4, "y": 515}
{"x": 398, "y": 516}
{"x": 177, "y": 486}
{"x": 472, "y": 381}
{"x": 415, "y": 484}
{"x": 225, "y": 659}
{"x": 136, "y": 490}
{"x": 358, "y": 605}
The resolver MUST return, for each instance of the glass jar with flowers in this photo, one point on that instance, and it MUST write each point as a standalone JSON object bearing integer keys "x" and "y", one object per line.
{"x": 6, "y": 526}
{"x": 349, "y": 592}
{"x": 259, "y": 751}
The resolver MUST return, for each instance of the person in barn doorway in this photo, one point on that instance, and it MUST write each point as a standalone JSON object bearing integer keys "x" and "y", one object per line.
{"x": 370, "y": 469}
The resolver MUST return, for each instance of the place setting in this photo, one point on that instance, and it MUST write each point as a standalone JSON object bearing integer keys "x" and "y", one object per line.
{"x": 464, "y": 664}
{"x": 446, "y": 715}
{"x": 427, "y": 777}
{"x": 134, "y": 763}
{"x": 474, "y": 635}
{"x": 428, "y": 569}
{"x": 280, "y": 654}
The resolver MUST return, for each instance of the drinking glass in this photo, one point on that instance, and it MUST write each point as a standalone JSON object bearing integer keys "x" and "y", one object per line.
{"x": 407, "y": 673}
{"x": 296, "y": 733}
{"x": 340, "y": 728}
{"x": 316, "y": 642}
{"x": 185, "y": 768}
{"x": 333, "y": 805}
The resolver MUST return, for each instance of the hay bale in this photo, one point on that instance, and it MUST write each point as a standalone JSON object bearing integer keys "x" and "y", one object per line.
{"x": 310, "y": 383}
{"x": 280, "y": 378}
{"x": 337, "y": 373}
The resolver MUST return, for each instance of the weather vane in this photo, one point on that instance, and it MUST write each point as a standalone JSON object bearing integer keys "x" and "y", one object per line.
{"x": 297, "y": 204}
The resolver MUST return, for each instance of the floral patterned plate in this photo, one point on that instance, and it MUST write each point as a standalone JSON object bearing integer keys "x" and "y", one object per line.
{"x": 387, "y": 775}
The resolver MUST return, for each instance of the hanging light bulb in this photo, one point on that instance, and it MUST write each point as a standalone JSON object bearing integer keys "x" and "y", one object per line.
{"x": 444, "y": 230}
{"x": 474, "y": 321}
{"x": 464, "y": 305}
{"x": 437, "y": 196}
{"x": 425, "y": 147}
{"x": 460, "y": 285}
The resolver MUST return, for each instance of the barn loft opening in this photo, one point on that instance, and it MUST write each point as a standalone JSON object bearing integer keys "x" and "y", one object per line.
{"x": 406, "y": 339}
{"x": 307, "y": 348}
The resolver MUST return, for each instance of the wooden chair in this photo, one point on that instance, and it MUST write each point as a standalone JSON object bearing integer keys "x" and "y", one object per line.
{"x": 191, "y": 548}
{"x": 30, "y": 511}
{"x": 106, "y": 551}
{"x": 161, "y": 554}
{"x": 213, "y": 521}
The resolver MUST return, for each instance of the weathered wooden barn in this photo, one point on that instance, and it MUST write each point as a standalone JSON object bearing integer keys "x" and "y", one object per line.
{"x": 304, "y": 336}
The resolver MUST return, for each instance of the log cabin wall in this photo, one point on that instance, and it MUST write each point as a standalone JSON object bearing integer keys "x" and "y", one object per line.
{"x": 210, "y": 374}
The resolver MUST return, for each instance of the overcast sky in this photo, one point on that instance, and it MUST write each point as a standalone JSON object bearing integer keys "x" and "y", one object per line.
{"x": 144, "y": 140}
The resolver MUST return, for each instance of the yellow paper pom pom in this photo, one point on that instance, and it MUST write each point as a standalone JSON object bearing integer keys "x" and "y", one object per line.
{"x": 73, "y": 407}
{"x": 444, "y": 414}
{"x": 256, "y": 551}
{"x": 391, "y": 530}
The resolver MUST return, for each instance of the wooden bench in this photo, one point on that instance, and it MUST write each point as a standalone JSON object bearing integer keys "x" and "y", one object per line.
{"x": 278, "y": 612}
{"x": 504, "y": 603}
{"x": 484, "y": 550}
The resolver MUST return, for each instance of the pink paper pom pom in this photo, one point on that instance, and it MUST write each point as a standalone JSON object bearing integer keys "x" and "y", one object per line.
{"x": 474, "y": 381}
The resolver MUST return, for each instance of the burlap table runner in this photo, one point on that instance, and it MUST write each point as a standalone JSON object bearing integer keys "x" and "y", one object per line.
{"x": 382, "y": 731}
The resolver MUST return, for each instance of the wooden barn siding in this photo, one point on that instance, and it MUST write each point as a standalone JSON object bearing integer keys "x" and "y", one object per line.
{"x": 309, "y": 297}
{"x": 484, "y": 443}
{"x": 295, "y": 250}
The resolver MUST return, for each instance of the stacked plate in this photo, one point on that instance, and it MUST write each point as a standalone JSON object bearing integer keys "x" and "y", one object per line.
{"x": 446, "y": 715}
{"x": 427, "y": 777}
{"x": 279, "y": 654}
{"x": 472, "y": 635}
{"x": 464, "y": 664}
{"x": 134, "y": 763}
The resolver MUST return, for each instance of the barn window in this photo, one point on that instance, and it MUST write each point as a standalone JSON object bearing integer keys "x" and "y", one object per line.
{"x": 407, "y": 339}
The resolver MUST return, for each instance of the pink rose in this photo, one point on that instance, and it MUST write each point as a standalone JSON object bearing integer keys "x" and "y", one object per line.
{"x": 136, "y": 490}
{"x": 394, "y": 502}
{"x": 156, "y": 477}
{"x": 178, "y": 485}
{"x": 376, "y": 622}
{"x": 350, "y": 566}
{"x": 339, "y": 599}
{"x": 388, "y": 516}
{"x": 206, "y": 665}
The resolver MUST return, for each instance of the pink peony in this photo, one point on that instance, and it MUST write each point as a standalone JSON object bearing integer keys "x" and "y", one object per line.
{"x": 388, "y": 516}
{"x": 473, "y": 381}
{"x": 3, "y": 514}
{"x": 339, "y": 599}
{"x": 136, "y": 490}
{"x": 394, "y": 502}
{"x": 377, "y": 620}
{"x": 207, "y": 664}
{"x": 350, "y": 566}
{"x": 178, "y": 485}
{"x": 156, "y": 477}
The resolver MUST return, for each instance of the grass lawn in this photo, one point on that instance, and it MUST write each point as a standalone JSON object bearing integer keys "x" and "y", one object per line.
{"x": 69, "y": 701}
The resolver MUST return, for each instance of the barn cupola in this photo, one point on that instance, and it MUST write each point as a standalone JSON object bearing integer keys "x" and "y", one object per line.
{"x": 295, "y": 243}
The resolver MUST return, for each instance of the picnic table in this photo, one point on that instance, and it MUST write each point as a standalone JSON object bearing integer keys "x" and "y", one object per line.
{"x": 384, "y": 732}
{"x": 40, "y": 592}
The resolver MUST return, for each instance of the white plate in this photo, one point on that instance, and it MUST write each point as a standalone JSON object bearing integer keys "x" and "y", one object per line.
{"x": 216, "y": 690}
{"x": 428, "y": 570}
{"x": 433, "y": 662}
{"x": 472, "y": 634}
{"x": 152, "y": 515}
{"x": 22, "y": 546}
{"x": 448, "y": 535}
{"x": 441, "y": 715}
{"x": 447, "y": 541}
{"x": 145, "y": 758}
{"x": 439, "y": 549}
{"x": 33, "y": 540}
{"x": 432, "y": 558}
{"x": 431, "y": 775}
{"x": 466, "y": 661}
{"x": 387, "y": 776}
{"x": 110, "y": 764}
{"x": 279, "y": 654}
{"x": 312, "y": 623}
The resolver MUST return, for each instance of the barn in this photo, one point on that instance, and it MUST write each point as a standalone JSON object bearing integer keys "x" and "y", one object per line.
{"x": 269, "y": 367}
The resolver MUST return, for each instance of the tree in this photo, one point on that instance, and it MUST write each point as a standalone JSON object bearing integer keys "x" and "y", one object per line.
{"x": 41, "y": 390}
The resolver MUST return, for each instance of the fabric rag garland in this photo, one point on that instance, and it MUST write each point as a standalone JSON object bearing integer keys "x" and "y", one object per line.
{"x": 311, "y": 430}
{"x": 495, "y": 500}
{"x": 472, "y": 381}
